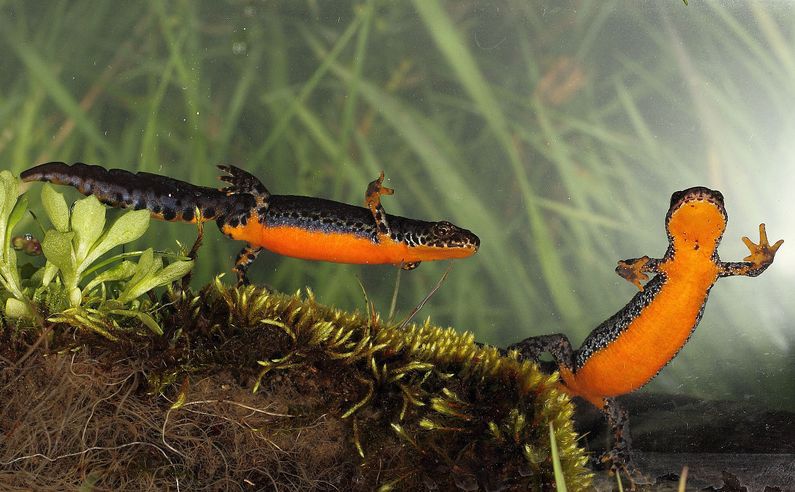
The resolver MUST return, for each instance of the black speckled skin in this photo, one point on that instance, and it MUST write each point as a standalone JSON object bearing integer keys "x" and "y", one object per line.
{"x": 174, "y": 200}
{"x": 318, "y": 214}
{"x": 168, "y": 199}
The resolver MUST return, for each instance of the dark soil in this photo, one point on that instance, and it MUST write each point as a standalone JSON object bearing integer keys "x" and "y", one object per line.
{"x": 86, "y": 419}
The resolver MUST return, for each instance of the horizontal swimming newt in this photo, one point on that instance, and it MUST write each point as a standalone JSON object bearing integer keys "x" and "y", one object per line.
{"x": 632, "y": 346}
{"x": 296, "y": 226}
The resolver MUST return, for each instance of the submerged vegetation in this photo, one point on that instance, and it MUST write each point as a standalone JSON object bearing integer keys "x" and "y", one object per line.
{"x": 342, "y": 401}
{"x": 556, "y": 131}
{"x": 73, "y": 248}
{"x": 392, "y": 406}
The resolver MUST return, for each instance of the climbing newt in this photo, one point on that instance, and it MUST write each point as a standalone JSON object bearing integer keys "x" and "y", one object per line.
{"x": 297, "y": 226}
{"x": 632, "y": 346}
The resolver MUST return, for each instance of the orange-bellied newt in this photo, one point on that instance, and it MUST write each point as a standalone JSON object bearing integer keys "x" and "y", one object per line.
{"x": 297, "y": 226}
{"x": 632, "y": 346}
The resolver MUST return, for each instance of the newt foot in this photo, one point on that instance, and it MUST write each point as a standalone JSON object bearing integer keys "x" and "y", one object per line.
{"x": 409, "y": 265}
{"x": 620, "y": 464}
{"x": 762, "y": 254}
{"x": 632, "y": 270}
{"x": 374, "y": 191}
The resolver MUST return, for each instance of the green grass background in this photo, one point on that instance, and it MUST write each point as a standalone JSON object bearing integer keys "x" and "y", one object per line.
{"x": 317, "y": 97}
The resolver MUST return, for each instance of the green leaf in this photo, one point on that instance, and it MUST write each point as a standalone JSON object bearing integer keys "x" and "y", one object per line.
{"x": 8, "y": 193}
{"x": 127, "y": 228}
{"x": 143, "y": 267}
{"x": 8, "y": 265}
{"x": 17, "y": 309}
{"x": 120, "y": 271}
{"x": 143, "y": 317}
{"x": 172, "y": 272}
{"x": 2, "y": 214}
{"x": 13, "y": 219}
{"x": 3, "y": 194}
{"x": 75, "y": 297}
{"x": 88, "y": 221}
{"x": 59, "y": 251}
{"x": 50, "y": 271}
{"x": 99, "y": 265}
{"x": 182, "y": 397}
{"x": 560, "y": 481}
{"x": 10, "y": 187}
{"x": 17, "y": 213}
{"x": 56, "y": 207}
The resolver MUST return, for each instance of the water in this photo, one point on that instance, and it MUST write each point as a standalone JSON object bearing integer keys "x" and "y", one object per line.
{"x": 556, "y": 131}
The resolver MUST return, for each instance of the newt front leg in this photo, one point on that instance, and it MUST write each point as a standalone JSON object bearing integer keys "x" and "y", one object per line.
{"x": 242, "y": 183}
{"x": 372, "y": 198}
{"x": 761, "y": 257}
{"x": 634, "y": 270}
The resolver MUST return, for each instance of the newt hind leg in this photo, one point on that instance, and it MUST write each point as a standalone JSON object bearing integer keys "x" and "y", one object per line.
{"x": 618, "y": 458}
{"x": 241, "y": 182}
{"x": 557, "y": 345}
{"x": 194, "y": 250}
{"x": 244, "y": 259}
{"x": 372, "y": 199}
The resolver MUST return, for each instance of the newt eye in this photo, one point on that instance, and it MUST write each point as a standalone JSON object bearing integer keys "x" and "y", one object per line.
{"x": 676, "y": 197}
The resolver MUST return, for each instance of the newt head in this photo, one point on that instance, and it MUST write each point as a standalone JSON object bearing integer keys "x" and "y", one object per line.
{"x": 440, "y": 240}
{"x": 696, "y": 219}
{"x": 446, "y": 236}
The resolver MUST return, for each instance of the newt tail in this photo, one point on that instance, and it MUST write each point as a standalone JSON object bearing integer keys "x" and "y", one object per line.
{"x": 297, "y": 226}
{"x": 632, "y": 346}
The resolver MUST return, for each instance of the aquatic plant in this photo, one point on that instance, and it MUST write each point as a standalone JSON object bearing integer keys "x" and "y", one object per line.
{"x": 443, "y": 95}
{"x": 74, "y": 250}
{"x": 11, "y": 211}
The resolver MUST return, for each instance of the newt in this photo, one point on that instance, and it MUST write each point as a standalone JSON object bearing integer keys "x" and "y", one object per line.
{"x": 628, "y": 350}
{"x": 296, "y": 226}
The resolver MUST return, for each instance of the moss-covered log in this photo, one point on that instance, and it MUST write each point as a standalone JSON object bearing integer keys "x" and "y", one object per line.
{"x": 341, "y": 401}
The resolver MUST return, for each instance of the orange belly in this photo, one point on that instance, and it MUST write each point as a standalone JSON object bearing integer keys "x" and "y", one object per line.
{"x": 650, "y": 341}
{"x": 337, "y": 247}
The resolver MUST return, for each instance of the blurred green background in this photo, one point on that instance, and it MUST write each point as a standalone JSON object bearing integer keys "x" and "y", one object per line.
{"x": 554, "y": 130}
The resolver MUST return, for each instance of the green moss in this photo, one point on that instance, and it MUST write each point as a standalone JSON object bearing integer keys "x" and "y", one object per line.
{"x": 391, "y": 408}
{"x": 423, "y": 404}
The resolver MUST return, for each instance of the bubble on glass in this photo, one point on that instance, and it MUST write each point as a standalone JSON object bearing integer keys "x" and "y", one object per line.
{"x": 239, "y": 48}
